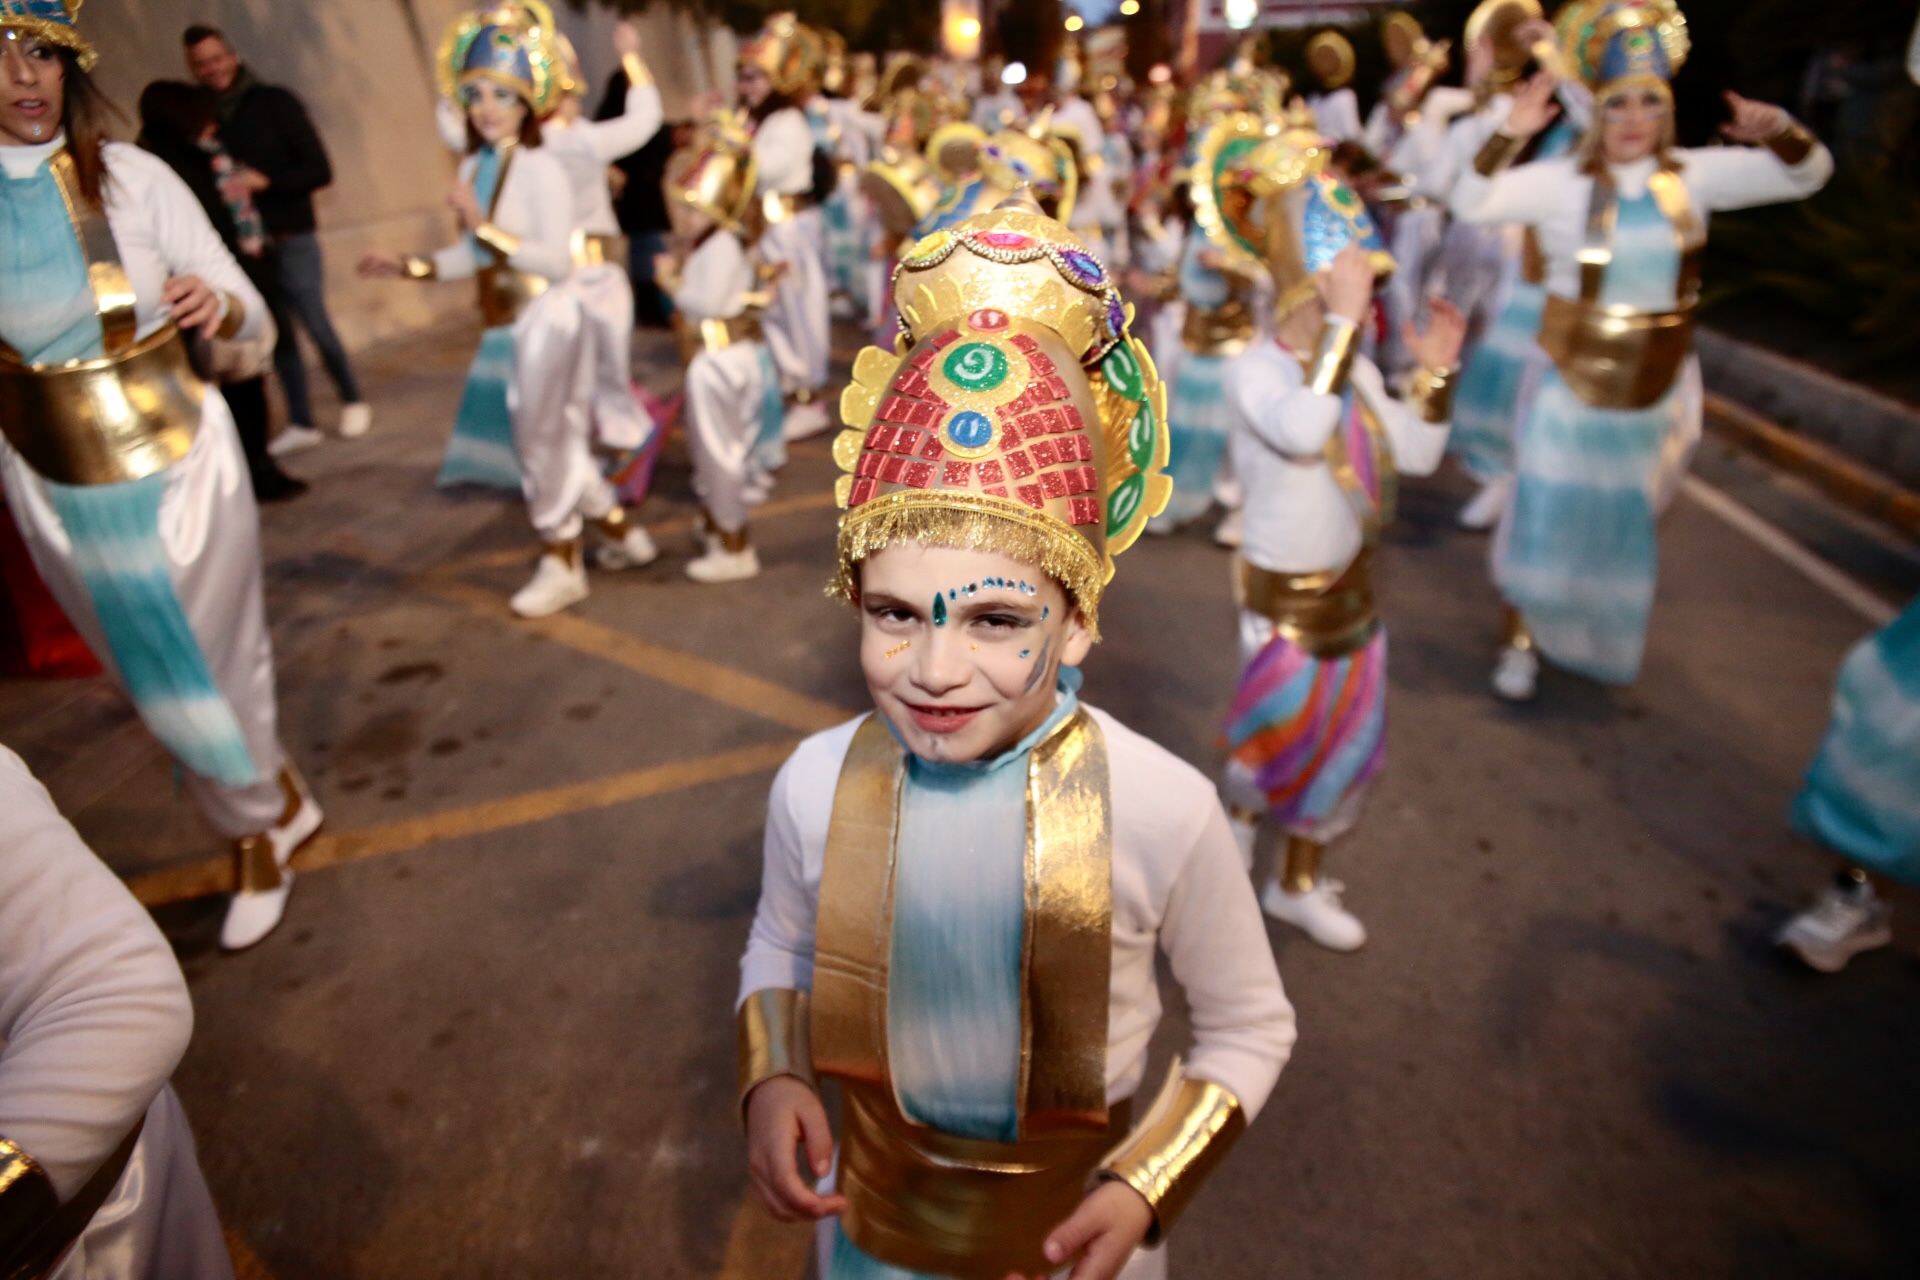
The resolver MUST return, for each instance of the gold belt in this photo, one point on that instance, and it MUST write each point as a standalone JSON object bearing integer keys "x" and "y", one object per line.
{"x": 1327, "y": 615}
{"x": 505, "y": 293}
{"x": 960, "y": 1207}
{"x": 1614, "y": 357}
{"x": 104, "y": 421}
{"x": 717, "y": 333}
{"x": 778, "y": 206}
{"x": 592, "y": 250}
{"x": 1224, "y": 331}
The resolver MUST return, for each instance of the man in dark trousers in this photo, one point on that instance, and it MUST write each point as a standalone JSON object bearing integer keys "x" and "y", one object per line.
{"x": 640, "y": 203}
{"x": 267, "y": 130}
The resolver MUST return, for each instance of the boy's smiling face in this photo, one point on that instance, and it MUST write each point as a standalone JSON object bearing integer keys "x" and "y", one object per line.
{"x": 961, "y": 649}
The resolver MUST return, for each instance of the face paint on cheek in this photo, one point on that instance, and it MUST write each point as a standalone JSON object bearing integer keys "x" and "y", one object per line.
{"x": 895, "y": 651}
{"x": 1039, "y": 666}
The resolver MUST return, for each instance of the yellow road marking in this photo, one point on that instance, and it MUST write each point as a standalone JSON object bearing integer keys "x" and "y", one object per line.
{"x": 246, "y": 1263}
{"x": 215, "y": 875}
{"x": 758, "y": 1246}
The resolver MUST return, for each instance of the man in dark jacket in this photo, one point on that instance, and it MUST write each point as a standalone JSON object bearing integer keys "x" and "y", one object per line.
{"x": 267, "y": 130}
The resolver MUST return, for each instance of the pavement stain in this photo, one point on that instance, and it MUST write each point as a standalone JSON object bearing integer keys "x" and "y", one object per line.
{"x": 409, "y": 672}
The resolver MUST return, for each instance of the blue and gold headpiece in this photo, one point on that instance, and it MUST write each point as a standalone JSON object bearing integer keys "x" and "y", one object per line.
{"x": 1301, "y": 214}
{"x": 513, "y": 44}
{"x": 1614, "y": 43}
{"x": 50, "y": 20}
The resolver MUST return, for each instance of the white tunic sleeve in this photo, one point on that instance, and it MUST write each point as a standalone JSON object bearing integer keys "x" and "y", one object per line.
{"x": 1269, "y": 396}
{"x": 152, "y": 212}
{"x": 1741, "y": 177}
{"x": 714, "y": 279}
{"x": 538, "y": 209}
{"x": 628, "y": 132}
{"x": 783, "y": 153}
{"x": 94, "y": 1014}
{"x": 1526, "y": 193}
{"x": 1418, "y": 445}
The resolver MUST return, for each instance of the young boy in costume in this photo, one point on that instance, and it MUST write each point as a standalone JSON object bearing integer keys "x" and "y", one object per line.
{"x": 964, "y": 891}
{"x": 1317, "y": 441}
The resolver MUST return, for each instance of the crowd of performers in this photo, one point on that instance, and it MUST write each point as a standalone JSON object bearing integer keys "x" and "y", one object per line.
{"x": 1099, "y": 311}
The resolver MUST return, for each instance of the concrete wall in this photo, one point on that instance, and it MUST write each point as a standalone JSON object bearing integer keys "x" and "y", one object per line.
{"x": 364, "y": 69}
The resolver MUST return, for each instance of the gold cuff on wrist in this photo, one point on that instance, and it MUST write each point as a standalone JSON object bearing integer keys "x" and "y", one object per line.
{"x": 772, "y": 1038}
{"x": 1431, "y": 393}
{"x": 418, "y": 268}
{"x": 1792, "y": 144}
{"x": 1333, "y": 357}
{"x": 497, "y": 240}
{"x": 637, "y": 73}
{"x": 1497, "y": 154}
{"x": 236, "y": 315}
{"x": 1184, "y": 1136}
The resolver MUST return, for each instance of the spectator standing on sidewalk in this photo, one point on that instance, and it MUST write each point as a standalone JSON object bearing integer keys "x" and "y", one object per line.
{"x": 267, "y": 130}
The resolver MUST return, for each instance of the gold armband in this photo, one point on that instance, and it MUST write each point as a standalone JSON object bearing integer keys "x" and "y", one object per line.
{"x": 418, "y": 268}
{"x": 496, "y": 239}
{"x": 637, "y": 73}
{"x": 27, "y": 1204}
{"x": 1185, "y": 1135}
{"x": 1333, "y": 357}
{"x": 1792, "y": 144}
{"x": 236, "y": 315}
{"x": 1431, "y": 393}
{"x": 772, "y": 1039}
{"x": 1497, "y": 154}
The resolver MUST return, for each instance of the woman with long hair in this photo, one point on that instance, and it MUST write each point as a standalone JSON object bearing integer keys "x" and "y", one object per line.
{"x": 121, "y": 466}
{"x": 1620, "y": 224}
{"x": 178, "y": 123}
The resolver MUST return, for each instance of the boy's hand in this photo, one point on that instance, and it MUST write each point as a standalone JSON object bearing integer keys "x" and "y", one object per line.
{"x": 1438, "y": 345}
{"x": 1346, "y": 286}
{"x": 782, "y": 1114}
{"x": 1102, "y": 1233}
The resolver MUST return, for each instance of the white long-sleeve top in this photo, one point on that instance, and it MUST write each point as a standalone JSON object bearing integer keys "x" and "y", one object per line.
{"x": 715, "y": 280}
{"x": 1336, "y": 114}
{"x": 1297, "y": 519}
{"x": 783, "y": 154}
{"x": 94, "y": 1013}
{"x": 535, "y": 207}
{"x": 160, "y": 230}
{"x": 1178, "y": 885}
{"x": 1551, "y": 196}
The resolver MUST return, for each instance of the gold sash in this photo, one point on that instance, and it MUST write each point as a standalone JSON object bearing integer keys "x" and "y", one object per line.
{"x": 504, "y": 292}
{"x": 1223, "y": 331}
{"x": 1616, "y": 357}
{"x": 1329, "y": 614}
{"x": 127, "y": 414}
{"x": 926, "y": 1200}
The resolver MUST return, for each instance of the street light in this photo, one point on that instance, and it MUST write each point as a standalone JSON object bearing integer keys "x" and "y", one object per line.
{"x": 968, "y": 28}
{"x": 1129, "y": 7}
{"x": 1241, "y": 13}
{"x": 1075, "y": 22}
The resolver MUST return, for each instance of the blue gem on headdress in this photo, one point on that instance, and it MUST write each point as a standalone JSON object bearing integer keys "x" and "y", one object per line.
{"x": 1116, "y": 314}
{"x": 1083, "y": 267}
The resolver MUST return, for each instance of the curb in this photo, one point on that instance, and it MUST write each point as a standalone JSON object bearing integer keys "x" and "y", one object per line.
{"x": 1860, "y": 489}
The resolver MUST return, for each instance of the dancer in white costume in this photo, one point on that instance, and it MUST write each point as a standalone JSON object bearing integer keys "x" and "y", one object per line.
{"x": 777, "y": 70}
{"x": 734, "y": 408}
{"x": 98, "y": 1176}
{"x": 122, "y": 468}
{"x": 1336, "y": 110}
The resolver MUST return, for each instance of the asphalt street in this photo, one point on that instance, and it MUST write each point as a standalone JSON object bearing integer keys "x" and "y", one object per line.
{"x": 494, "y": 1038}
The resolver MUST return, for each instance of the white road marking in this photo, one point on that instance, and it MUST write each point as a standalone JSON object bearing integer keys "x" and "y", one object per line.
{"x": 1812, "y": 567}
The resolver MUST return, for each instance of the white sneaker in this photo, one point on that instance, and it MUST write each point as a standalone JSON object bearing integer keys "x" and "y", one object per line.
{"x": 293, "y": 439}
{"x": 1848, "y": 919}
{"x": 1516, "y": 674}
{"x": 1228, "y": 532}
{"x": 356, "y": 420}
{"x": 1317, "y": 913}
{"x": 253, "y": 914}
{"x": 634, "y": 549}
{"x": 721, "y": 565}
{"x": 1484, "y": 509}
{"x": 808, "y": 418}
{"x": 555, "y": 585}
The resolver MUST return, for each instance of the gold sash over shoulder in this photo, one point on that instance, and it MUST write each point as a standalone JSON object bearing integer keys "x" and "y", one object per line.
{"x": 918, "y": 1198}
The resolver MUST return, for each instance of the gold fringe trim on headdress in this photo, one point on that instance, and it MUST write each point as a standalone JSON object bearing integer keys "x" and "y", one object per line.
{"x": 63, "y": 34}
{"x": 969, "y": 522}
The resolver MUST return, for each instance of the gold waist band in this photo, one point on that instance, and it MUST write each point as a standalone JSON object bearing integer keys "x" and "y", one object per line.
{"x": 594, "y": 250}
{"x": 717, "y": 334}
{"x": 960, "y": 1207}
{"x": 104, "y": 421}
{"x": 1327, "y": 614}
{"x": 1225, "y": 331}
{"x": 1614, "y": 358}
{"x": 780, "y": 207}
{"x": 505, "y": 293}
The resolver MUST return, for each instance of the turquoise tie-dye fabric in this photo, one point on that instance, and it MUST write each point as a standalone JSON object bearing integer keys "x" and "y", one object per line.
{"x": 46, "y": 311}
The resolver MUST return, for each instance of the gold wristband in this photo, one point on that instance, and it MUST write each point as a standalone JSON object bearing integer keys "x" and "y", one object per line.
{"x": 496, "y": 239}
{"x": 637, "y": 73}
{"x": 1792, "y": 144}
{"x": 418, "y": 268}
{"x": 1185, "y": 1135}
{"x": 1333, "y": 357}
{"x": 235, "y": 316}
{"x": 1431, "y": 393}
{"x": 27, "y": 1201}
{"x": 1497, "y": 154}
{"x": 772, "y": 1039}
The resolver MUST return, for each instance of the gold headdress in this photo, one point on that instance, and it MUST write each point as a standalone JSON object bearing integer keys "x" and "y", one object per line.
{"x": 511, "y": 44}
{"x": 1017, "y": 414}
{"x": 55, "y": 21}
{"x": 1417, "y": 61}
{"x": 1611, "y": 43}
{"x": 1284, "y": 199}
{"x": 1330, "y": 58}
{"x": 1498, "y": 23}
{"x": 713, "y": 174}
{"x": 1035, "y": 158}
{"x": 792, "y": 55}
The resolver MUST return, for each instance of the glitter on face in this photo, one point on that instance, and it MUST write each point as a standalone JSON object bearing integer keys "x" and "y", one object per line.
{"x": 895, "y": 651}
{"x": 939, "y": 611}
